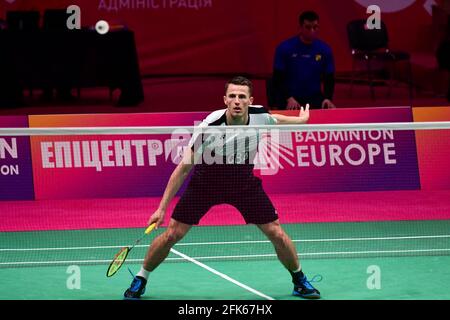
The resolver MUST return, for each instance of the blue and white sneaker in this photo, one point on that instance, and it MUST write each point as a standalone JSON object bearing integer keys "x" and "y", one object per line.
{"x": 304, "y": 289}
{"x": 136, "y": 289}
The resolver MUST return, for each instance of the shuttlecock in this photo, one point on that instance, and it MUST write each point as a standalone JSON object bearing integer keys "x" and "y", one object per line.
{"x": 102, "y": 27}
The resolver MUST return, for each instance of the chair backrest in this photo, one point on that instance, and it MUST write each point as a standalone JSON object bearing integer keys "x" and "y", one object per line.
{"x": 362, "y": 38}
{"x": 55, "y": 19}
{"x": 22, "y": 20}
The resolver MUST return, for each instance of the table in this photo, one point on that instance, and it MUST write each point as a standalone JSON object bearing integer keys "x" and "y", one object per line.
{"x": 71, "y": 58}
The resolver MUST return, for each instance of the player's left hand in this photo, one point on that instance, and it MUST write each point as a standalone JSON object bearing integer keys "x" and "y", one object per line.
{"x": 304, "y": 114}
{"x": 327, "y": 104}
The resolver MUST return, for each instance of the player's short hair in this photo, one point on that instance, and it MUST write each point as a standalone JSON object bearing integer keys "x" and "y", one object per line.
{"x": 307, "y": 16}
{"x": 240, "y": 81}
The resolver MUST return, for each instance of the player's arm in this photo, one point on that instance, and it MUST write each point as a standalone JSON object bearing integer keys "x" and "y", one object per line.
{"x": 175, "y": 182}
{"x": 302, "y": 117}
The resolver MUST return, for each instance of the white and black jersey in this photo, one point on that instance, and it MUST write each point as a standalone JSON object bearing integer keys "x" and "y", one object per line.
{"x": 220, "y": 151}
{"x": 224, "y": 171}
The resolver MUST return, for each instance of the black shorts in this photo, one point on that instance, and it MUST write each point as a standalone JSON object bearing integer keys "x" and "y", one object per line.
{"x": 247, "y": 196}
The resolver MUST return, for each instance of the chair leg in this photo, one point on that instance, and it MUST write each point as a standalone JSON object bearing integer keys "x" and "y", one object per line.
{"x": 352, "y": 77}
{"x": 410, "y": 82}
{"x": 369, "y": 75}
{"x": 391, "y": 68}
{"x": 448, "y": 91}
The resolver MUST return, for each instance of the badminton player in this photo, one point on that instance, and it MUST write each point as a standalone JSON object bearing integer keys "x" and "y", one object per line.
{"x": 231, "y": 182}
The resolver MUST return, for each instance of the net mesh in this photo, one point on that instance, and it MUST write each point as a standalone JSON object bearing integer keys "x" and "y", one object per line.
{"x": 76, "y": 196}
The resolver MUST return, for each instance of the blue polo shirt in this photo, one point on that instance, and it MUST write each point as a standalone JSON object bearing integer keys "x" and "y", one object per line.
{"x": 303, "y": 65}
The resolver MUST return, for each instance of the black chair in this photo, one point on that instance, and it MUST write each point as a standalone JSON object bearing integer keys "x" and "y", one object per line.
{"x": 443, "y": 59}
{"x": 22, "y": 20}
{"x": 65, "y": 63}
{"x": 21, "y": 26}
{"x": 371, "y": 45}
{"x": 55, "y": 20}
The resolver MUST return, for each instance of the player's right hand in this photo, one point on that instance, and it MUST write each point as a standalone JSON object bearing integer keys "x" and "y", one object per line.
{"x": 304, "y": 114}
{"x": 157, "y": 217}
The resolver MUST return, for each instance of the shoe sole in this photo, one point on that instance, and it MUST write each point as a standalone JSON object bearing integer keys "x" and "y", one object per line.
{"x": 139, "y": 298}
{"x": 305, "y": 296}
{"x": 125, "y": 298}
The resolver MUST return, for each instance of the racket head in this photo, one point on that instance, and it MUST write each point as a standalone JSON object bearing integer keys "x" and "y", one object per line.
{"x": 117, "y": 262}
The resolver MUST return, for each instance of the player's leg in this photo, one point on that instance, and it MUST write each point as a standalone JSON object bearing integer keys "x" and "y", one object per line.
{"x": 160, "y": 247}
{"x": 256, "y": 208}
{"x": 156, "y": 254}
{"x": 287, "y": 254}
{"x": 284, "y": 247}
{"x": 192, "y": 206}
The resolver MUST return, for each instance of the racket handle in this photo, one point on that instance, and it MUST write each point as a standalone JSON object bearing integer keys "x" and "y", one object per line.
{"x": 150, "y": 228}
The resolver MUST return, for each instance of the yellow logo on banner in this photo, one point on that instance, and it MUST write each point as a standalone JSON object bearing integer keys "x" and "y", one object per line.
{"x": 318, "y": 57}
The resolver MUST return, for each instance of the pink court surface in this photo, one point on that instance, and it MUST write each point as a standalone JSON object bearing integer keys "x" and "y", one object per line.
{"x": 292, "y": 208}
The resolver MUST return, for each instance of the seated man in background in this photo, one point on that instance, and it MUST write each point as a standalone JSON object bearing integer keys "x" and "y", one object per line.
{"x": 301, "y": 64}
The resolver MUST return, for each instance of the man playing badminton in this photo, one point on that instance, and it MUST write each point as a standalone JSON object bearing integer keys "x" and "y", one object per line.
{"x": 218, "y": 183}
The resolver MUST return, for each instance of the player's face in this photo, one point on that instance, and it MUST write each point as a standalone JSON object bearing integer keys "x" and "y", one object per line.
{"x": 237, "y": 99}
{"x": 309, "y": 30}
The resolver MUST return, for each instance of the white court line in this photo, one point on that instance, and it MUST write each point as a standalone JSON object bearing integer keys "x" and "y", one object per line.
{"x": 229, "y": 257}
{"x": 234, "y": 242}
{"x": 220, "y": 274}
{"x": 319, "y": 240}
{"x": 66, "y": 248}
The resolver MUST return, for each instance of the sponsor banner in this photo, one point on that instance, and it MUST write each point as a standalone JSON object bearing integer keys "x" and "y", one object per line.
{"x": 16, "y": 179}
{"x": 348, "y": 161}
{"x": 140, "y": 165}
{"x": 433, "y": 149}
{"x": 104, "y": 165}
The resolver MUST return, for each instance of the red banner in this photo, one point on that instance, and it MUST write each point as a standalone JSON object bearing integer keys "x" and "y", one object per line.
{"x": 234, "y": 36}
